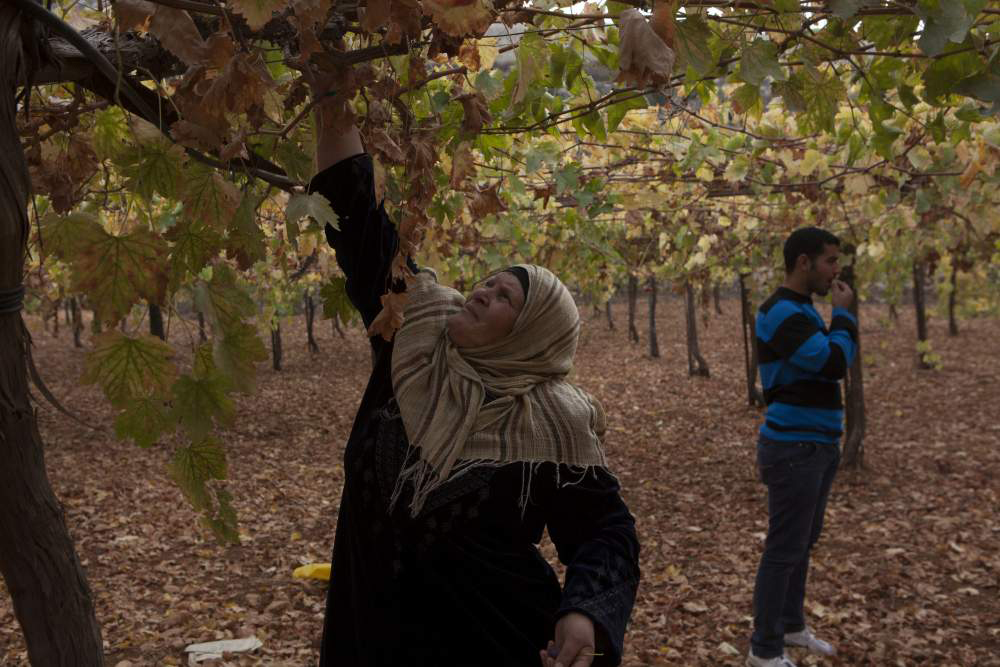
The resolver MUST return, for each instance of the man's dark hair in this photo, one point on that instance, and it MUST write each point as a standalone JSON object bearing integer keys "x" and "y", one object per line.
{"x": 809, "y": 241}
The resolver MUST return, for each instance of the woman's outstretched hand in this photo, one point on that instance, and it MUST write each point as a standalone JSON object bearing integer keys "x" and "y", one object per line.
{"x": 573, "y": 645}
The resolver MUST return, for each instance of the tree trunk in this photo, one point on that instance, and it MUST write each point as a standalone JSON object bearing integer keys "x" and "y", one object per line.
{"x": 55, "y": 318}
{"x": 893, "y": 313}
{"x": 705, "y": 299}
{"x": 755, "y": 398}
{"x": 77, "y": 321}
{"x": 68, "y": 310}
{"x": 276, "y": 352}
{"x": 717, "y": 299}
{"x": 854, "y": 390}
{"x": 633, "y": 295}
{"x": 696, "y": 363}
{"x": 952, "y": 297}
{"x": 919, "y": 304}
{"x": 156, "y": 322}
{"x": 201, "y": 327}
{"x": 654, "y": 345}
{"x": 607, "y": 312}
{"x": 48, "y": 588}
{"x": 310, "y": 308}
{"x": 336, "y": 325}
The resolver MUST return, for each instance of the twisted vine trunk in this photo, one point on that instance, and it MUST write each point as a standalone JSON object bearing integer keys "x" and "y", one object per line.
{"x": 696, "y": 363}
{"x": 717, "y": 298}
{"x": 920, "y": 306}
{"x": 607, "y": 313}
{"x": 277, "y": 353}
{"x": 77, "y": 314}
{"x": 156, "y": 322}
{"x": 654, "y": 345}
{"x": 310, "y": 312}
{"x": 51, "y": 598}
{"x": 854, "y": 391}
{"x": 952, "y": 298}
{"x": 755, "y": 398}
{"x": 633, "y": 295}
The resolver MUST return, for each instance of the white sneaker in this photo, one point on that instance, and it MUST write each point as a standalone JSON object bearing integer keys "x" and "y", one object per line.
{"x": 780, "y": 661}
{"x": 807, "y": 640}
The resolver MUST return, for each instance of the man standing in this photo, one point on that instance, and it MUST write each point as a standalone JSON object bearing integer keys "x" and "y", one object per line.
{"x": 801, "y": 364}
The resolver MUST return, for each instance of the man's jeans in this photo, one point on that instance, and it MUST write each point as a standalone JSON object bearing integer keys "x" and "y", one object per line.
{"x": 798, "y": 476}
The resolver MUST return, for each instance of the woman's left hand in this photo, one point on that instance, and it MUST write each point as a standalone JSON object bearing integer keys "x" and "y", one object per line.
{"x": 573, "y": 645}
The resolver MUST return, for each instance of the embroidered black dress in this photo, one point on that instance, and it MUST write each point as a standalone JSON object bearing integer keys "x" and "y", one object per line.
{"x": 462, "y": 584}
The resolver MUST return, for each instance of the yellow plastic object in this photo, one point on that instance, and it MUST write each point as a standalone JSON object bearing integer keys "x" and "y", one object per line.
{"x": 319, "y": 571}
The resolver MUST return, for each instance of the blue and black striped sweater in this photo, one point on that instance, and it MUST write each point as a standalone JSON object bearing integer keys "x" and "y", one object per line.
{"x": 801, "y": 365}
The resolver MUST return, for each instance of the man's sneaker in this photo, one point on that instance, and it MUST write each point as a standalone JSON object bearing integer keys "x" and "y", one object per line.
{"x": 780, "y": 661}
{"x": 807, "y": 640}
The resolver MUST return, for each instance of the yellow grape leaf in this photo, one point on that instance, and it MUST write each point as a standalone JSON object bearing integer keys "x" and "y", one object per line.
{"x": 257, "y": 12}
{"x": 129, "y": 368}
{"x": 459, "y": 18}
{"x": 390, "y": 318}
{"x": 486, "y": 201}
{"x": 462, "y": 166}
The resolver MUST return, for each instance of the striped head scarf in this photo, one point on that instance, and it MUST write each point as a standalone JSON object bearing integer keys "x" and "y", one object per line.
{"x": 535, "y": 415}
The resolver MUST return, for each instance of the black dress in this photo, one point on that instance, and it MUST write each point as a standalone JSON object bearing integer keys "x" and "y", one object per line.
{"x": 463, "y": 583}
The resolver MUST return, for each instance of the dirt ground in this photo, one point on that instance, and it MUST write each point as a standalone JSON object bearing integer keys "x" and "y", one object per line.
{"x": 907, "y": 573}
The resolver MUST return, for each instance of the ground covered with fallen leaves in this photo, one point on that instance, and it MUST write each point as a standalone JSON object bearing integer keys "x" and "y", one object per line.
{"x": 907, "y": 573}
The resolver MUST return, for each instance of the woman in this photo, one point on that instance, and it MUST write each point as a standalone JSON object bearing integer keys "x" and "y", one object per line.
{"x": 467, "y": 445}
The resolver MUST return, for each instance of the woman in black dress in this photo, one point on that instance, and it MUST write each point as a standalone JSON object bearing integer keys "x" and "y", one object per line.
{"x": 468, "y": 443}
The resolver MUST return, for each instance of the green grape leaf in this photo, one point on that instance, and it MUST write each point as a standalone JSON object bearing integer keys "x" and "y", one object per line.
{"x": 245, "y": 240}
{"x": 62, "y": 235}
{"x": 618, "y": 110}
{"x": 758, "y": 61}
{"x": 116, "y": 272}
{"x": 144, "y": 420}
{"x": 313, "y": 205}
{"x": 236, "y": 354}
{"x": 200, "y": 402}
{"x": 154, "y": 167}
{"x": 297, "y": 163}
{"x": 791, "y": 92}
{"x": 825, "y": 91}
{"x": 223, "y": 522}
{"x": 128, "y": 368}
{"x": 693, "y": 49}
{"x": 950, "y": 20}
{"x": 335, "y": 300}
{"x": 194, "y": 244}
{"x": 531, "y": 60}
{"x": 223, "y": 302}
{"x": 208, "y": 197}
{"x": 845, "y": 9}
{"x": 110, "y": 131}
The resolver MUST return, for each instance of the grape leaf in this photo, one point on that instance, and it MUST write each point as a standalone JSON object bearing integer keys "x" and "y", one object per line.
{"x": 336, "y": 303}
{"x": 61, "y": 235}
{"x": 313, "y": 205}
{"x": 236, "y": 354}
{"x": 199, "y": 402}
{"x": 154, "y": 167}
{"x": 257, "y": 12}
{"x": 693, "y": 49}
{"x": 118, "y": 271}
{"x": 758, "y": 61}
{"x": 224, "y": 303}
{"x": 144, "y": 420}
{"x": 129, "y": 368}
{"x": 245, "y": 239}
{"x": 208, "y": 197}
{"x": 194, "y": 244}
{"x": 194, "y": 465}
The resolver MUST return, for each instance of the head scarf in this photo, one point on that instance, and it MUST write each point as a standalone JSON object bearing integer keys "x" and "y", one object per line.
{"x": 535, "y": 415}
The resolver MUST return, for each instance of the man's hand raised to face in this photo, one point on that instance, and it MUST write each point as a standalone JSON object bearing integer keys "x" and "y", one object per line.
{"x": 840, "y": 294}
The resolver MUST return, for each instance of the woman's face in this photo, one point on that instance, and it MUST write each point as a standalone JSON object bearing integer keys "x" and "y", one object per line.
{"x": 489, "y": 313}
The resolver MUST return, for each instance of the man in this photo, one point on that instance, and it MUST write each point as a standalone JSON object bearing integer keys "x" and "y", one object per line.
{"x": 801, "y": 363}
